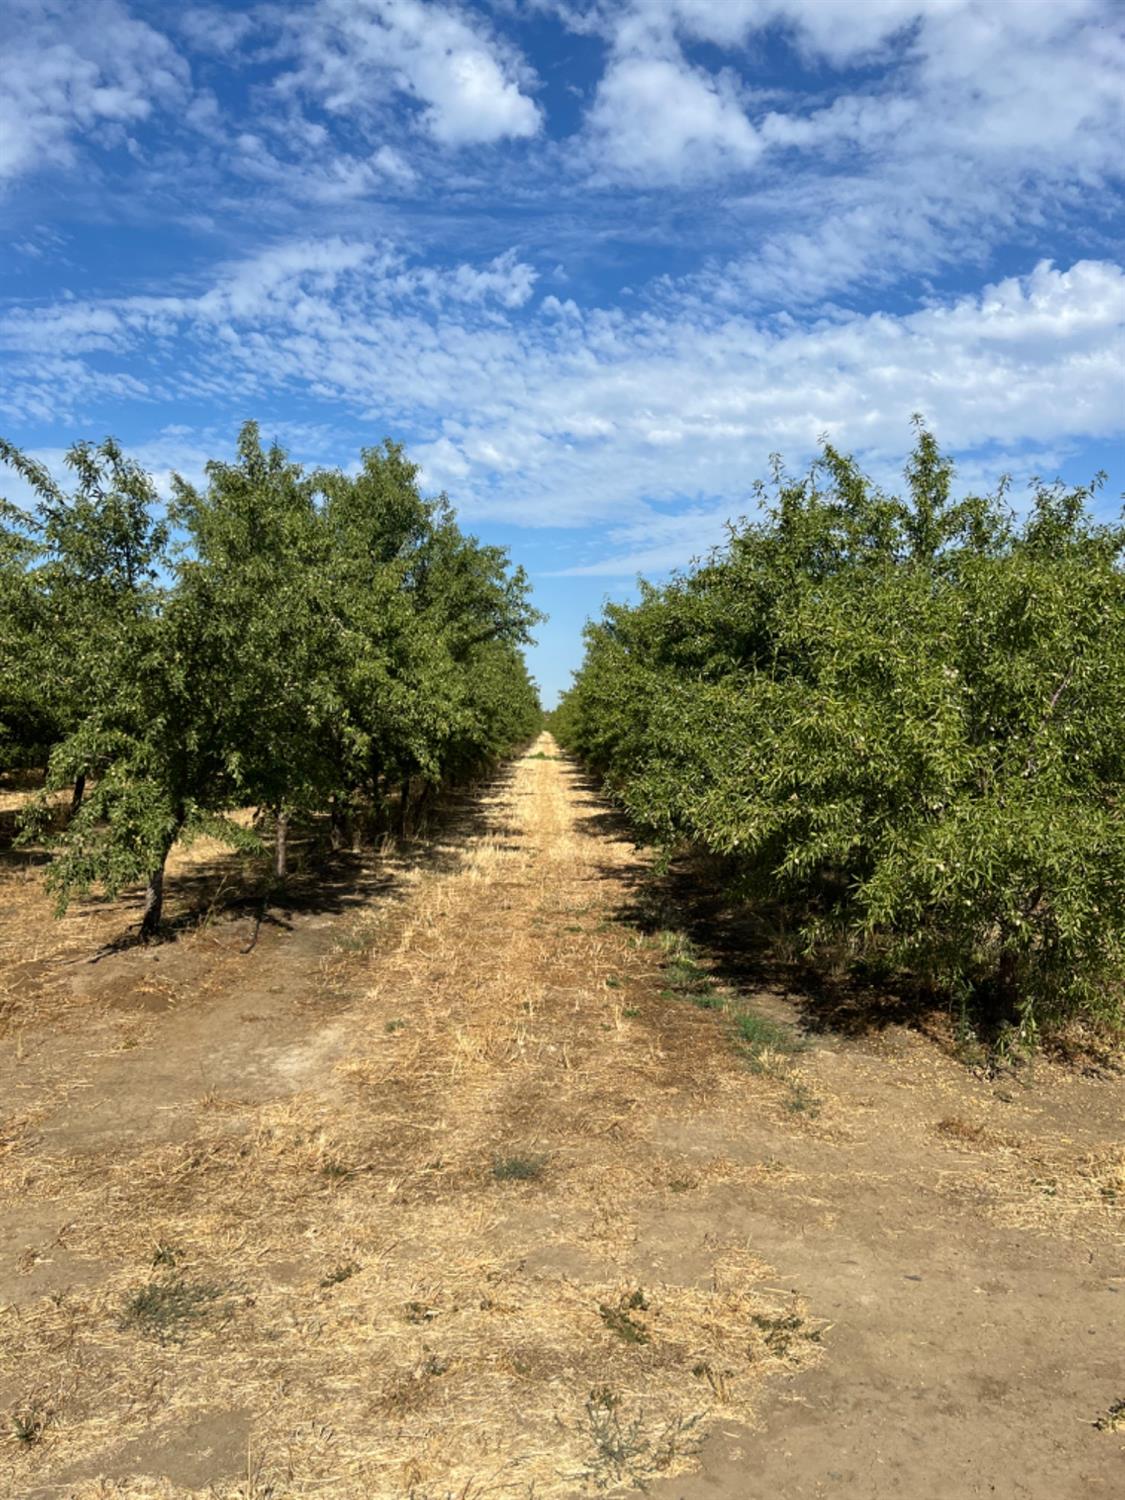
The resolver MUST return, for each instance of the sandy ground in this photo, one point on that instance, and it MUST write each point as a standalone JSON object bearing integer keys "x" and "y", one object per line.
{"x": 436, "y": 1193}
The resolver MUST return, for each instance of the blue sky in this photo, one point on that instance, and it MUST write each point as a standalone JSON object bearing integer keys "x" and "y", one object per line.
{"x": 592, "y": 262}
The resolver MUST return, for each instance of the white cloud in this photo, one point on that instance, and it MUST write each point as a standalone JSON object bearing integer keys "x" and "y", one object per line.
{"x": 78, "y": 71}
{"x": 659, "y": 543}
{"x": 980, "y": 121}
{"x": 209, "y": 28}
{"x": 353, "y": 53}
{"x": 288, "y": 286}
{"x": 657, "y": 119}
{"x": 392, "y": 164}
{"x": 839, "y": 30}
{"x": 599, "y": 415}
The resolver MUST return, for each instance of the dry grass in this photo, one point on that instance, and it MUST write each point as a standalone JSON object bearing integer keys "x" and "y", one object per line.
{"x": 1050, "y": 1186}
{"x": 475, "y": 1347}
{"x": 428, "y": 1273}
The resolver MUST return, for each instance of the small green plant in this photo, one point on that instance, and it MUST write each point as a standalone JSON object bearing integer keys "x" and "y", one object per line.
{"x": 336, "y": 1171}
{"x": 716, "y": 1379}
{"x": 630, "y": 1012}
{"x": 28, "y": 1426}
{"x": 165, "y": 1255}
{"x": 800, "y": 1100}
{"x": 685, "y": 977}
{"x": 343, "y": 1272}
{"x": 518, "y": 1168}
{"x": 623, "y": 1451}
{"x": 619, "y": 1319}
{"x": 760, "y": 1033}
{"x": 1113, "y": 1419}
{"x": 706, "y": 1000}
{"x": 392, "y": 1026}
{"x": 618, "y": 1448}
{"x": 166, "y": 1310}
{"x": 782, "y": 1330}
{"x": 354, "y": 942}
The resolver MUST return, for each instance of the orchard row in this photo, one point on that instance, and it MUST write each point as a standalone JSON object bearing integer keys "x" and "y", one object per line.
{"x": 297, "y": 642}
{"x": 897, "y": 726}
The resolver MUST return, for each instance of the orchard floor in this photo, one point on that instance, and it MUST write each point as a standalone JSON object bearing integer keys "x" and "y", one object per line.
{"x": 428, "y": 1189}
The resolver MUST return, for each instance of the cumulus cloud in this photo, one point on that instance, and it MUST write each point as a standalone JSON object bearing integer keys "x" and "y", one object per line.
{"x": 78, "y": 71}
{"x": 972, "y": 121}
{"x": 655, "y": 119}
{"x": 467, "y": 82}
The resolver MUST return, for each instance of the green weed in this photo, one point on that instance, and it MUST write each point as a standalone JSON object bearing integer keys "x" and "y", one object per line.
{"x": 28, "y": 1426}
{"x": 166, "y": 1310}
{"x": 518, "y": 1168}
{"x": 623, "y": 1451}
{"x": 419, "y": 1312}
{"x": 782, "y": 1331}
{"x": 760, "y": 1033}
{"x": 801, "y": 1100}
{"x": 1113, "y": 1419}
{"x": 343, "y": 1272}
{"x": 619, "y": 1319}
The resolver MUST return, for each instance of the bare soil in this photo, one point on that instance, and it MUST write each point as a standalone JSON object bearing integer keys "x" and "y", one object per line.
{"x": 428, "y": 1188}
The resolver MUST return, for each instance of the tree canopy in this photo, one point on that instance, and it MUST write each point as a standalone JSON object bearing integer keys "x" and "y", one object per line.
{"x": 288, "y": 640}
{"x": 902, "y": 718}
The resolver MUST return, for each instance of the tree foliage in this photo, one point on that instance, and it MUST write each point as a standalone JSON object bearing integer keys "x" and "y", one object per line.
{"x": 903, "y": 718}
{"x": 292, "y": 641}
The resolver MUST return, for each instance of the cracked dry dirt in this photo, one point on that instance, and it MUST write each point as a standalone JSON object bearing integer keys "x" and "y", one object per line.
{"x": 435, "y": 1194}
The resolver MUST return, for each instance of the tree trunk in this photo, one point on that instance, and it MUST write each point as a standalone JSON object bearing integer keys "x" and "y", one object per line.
{"x": 154, "y": 902}
{"x": 427, "y": 802}
{"x": 339, "y": 823}
{"x": 281, "y": 851}
{"x": 154, "y": 892}
{"x": 1007, "y": 985}
{"x": 78, "y": 793}
{"x": 404, "y": 809}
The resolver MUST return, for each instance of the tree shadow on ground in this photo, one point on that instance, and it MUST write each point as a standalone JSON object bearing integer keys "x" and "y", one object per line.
{"x": 748, "y": 945}
{"x": 323, "y": 881}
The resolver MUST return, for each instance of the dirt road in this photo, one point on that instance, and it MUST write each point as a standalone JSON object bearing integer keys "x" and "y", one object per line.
{"x": 441, "y": 1192}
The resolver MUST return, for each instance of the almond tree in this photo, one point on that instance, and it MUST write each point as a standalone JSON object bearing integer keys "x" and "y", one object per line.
{"x": 27, "y": 726}
{"x": 137, "y": 694}
{"x": 901, "y": 718}
{"x": 90, "y": 561}
{"x": 254, "y": 573}
{"x": 309, "y": 640}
